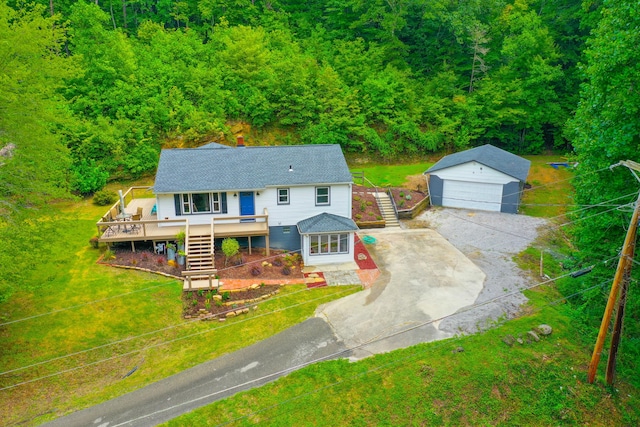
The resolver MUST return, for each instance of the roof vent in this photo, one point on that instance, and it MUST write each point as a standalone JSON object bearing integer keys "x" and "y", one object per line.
{"x": 290, "y": 168}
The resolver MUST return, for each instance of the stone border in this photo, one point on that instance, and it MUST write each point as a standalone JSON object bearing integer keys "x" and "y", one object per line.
{"x": 132, "y": 267}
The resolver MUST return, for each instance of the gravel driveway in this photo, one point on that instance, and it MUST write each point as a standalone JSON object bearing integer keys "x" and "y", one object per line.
{"x": 490, "y": 240}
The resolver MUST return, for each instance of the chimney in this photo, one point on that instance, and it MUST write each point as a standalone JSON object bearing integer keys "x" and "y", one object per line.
{"x": 240, "y": 140}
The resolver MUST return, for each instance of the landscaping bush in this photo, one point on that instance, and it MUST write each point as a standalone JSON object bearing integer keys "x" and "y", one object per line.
{"x": 256, "y": 270}
{"x": 286, "y": 270}
{"x": 104, "y": 198}
{"x": 230, "y": 247}
{"x": 278, "y": 262}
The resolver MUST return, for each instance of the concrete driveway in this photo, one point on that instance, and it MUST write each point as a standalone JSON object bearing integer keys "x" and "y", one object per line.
{"x": 424, "y": 278}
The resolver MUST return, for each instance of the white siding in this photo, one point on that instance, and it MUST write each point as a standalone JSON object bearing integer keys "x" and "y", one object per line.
{"x": 474, "y": 172}
{"x": 325, "y": 259}
{"x": 302, "y": 205}
{"x": 472, "y": 195}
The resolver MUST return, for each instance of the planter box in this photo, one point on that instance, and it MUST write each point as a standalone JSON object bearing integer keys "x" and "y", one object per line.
{"x": 413, "y": 212}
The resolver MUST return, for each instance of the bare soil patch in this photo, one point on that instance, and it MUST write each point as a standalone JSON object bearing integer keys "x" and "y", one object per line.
{"x": 406, "y": 199}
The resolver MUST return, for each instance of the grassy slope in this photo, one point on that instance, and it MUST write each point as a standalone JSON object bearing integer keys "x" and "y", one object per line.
{"x": 551, "y": 190}
{"x": 489, "y": 383}
{"x": 390, "y": 175}
{"x": 67, "y": 275}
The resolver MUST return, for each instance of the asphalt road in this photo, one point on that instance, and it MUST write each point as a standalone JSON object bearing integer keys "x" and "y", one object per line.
{"x": 250, "y": 367}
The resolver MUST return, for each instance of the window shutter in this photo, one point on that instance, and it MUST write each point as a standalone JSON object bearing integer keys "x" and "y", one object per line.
{"x": 223, "y": 202}
{"x": 176, "y": 200}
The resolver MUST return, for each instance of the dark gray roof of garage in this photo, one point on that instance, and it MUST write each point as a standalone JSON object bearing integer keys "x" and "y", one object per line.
{"x": 490, "y": 156}
{"x": 326, "y": 223}
{"x": 249, "y": 168}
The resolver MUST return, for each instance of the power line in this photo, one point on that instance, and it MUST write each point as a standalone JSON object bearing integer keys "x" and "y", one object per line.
{"x": 378, "y": 368}
{"x": 161, "y": 344}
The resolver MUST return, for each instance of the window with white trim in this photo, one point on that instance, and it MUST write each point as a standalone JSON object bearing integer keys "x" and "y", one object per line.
{"x": 323, "y": 196}
{"x": 283, "y": 196}
{"x": 197, "y": 203}
{"x": 329, "y": 244}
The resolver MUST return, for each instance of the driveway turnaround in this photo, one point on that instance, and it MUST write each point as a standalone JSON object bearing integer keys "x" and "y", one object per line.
{"x": 424, "y": 278}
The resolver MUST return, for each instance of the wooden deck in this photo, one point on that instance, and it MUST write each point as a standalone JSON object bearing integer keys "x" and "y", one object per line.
{"x": 150, "y": 228}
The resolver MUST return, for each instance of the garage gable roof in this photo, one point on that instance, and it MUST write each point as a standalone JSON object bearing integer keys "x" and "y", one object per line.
{"x": 214, "y": 168}
{"x": 490, "y": 156}
{"x": 326, "y": 223}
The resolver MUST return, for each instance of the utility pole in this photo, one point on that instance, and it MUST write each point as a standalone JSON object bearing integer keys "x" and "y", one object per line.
{"x": 618, "y": 293}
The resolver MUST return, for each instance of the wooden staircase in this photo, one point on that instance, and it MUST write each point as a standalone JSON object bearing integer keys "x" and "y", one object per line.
{"x": 386, "y": 208}
{"x": 201, "y": 271}
{"x": 200, "y": 252}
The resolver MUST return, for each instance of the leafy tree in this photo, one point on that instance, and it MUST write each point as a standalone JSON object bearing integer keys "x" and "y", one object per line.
{"x": 33, "y": 68}
{"x": 606, "y": 129}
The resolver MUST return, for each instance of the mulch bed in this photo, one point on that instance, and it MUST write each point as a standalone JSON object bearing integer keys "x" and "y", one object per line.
{"x": 203, "y": 303}
{"x": 362, "y": 256}
{"x": 407, "y": 199}
{"x": 364, "y": 206}
{"x": 244, "y": 266}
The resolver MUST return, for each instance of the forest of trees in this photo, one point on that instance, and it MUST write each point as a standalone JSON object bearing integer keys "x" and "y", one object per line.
{"x": 90, "y": 91}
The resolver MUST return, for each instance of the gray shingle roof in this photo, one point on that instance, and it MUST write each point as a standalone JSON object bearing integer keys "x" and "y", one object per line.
{"x": 490, "y": 156}
{"x": 326, "y": 223}
{"x": 249, "y": 168}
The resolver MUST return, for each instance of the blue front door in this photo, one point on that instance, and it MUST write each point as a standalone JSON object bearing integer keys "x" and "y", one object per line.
{"x": 247, "y": 205}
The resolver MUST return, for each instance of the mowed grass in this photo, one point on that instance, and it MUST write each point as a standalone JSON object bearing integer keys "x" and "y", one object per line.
{"x": 99, "y": 323}
{"x": 390, "y": 175}
{"x": 488, "y": 383}
{"x": 551, "y": 194}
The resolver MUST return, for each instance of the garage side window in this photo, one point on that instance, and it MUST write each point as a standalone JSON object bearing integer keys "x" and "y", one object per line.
{"x": 328, "y": 244}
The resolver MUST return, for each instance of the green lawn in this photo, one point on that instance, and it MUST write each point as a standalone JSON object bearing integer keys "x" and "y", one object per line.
{"x": 390, "y": 175}
{"x": 489, "y": 383}
{"x": 138, "y": 313}
{"x": 552, "y": 189}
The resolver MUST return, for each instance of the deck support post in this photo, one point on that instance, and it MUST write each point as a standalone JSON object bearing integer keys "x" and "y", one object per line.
{"x": 249, "y": 237}
{"x": 267, "y": 244}
{"x": 133, "y": 247}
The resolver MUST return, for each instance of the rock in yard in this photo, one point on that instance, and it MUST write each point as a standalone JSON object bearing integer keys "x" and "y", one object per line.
{"x": 217, "y": 297}
{"x": 509, "y": 340}
{"x": 533, "y": 336}
{"x": 544, "y": 329}
{"x": 231, "y": 314}
{"x": 457, "y": 350}
{"x": 520, "y": 341}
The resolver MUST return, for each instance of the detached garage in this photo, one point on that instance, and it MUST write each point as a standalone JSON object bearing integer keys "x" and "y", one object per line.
{"x": 483, "y": 178}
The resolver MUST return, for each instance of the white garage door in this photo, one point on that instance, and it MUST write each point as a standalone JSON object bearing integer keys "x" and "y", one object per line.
{"x": 471, "y": 195}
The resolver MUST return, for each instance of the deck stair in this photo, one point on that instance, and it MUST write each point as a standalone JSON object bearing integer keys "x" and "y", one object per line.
{"x": 199, "y": 252}
{"x": 200, "y": 257}
{"x": 386, "y": 208}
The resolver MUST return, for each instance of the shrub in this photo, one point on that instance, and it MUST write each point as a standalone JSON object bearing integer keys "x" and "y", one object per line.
{"x": 87, "y": 177}
{"x": 369, "y": 203}
{"x": 286, "y": 270}
{"x": 104, "y": 197}
{"x": 358, "y": 217}
{"x": 226, "y": 295}
{"x": 145, "y": 256}
{"x": 160, "y": 260}
{"x": 278, "y": 262}
{"x": 401, "y": 194}
{"x": 379, "y": 217}
{"x": 109, "y": 255}
{"x": 363, "y": 206}
{"x": 356, "y": 198}
{"x": 256, "y": 270}
{"x": 94, "y": 242}
{"x": 408, "y": 197}
{"x": 134, "y": 262}
{"x": 230, "y": 247}
{"x": 172, "y": 263}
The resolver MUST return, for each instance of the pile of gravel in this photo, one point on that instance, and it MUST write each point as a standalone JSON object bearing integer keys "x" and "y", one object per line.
{"x": 490, "y": 240}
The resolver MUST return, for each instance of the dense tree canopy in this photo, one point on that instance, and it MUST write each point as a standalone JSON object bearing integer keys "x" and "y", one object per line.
{"x": 384, "y": 77}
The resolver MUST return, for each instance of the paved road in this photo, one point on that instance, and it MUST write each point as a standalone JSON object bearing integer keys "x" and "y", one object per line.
{"x": 214, "y": 380}
{"x": 424, "y": 278}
